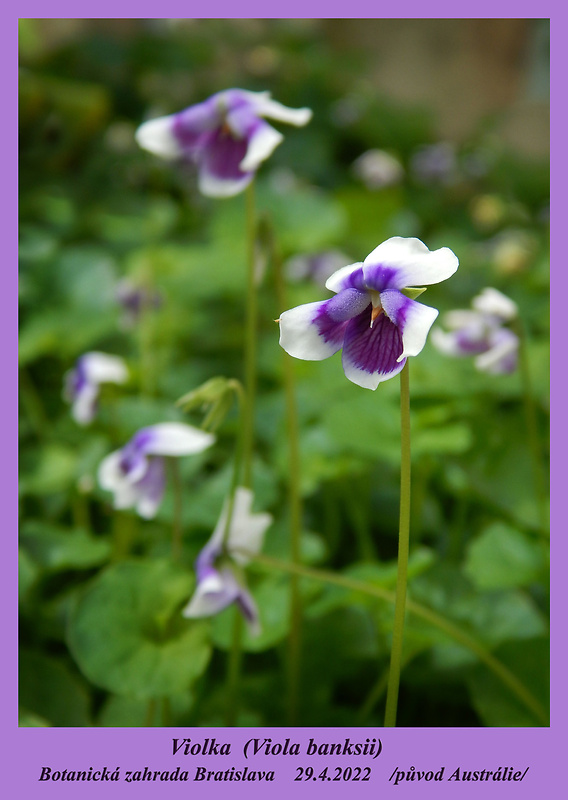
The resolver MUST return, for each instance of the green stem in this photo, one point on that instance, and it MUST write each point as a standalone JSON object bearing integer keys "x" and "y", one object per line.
{"x": 532, "y": 427}
{"x": 178, "y": 522}
{"x": 150, "y": 713}
{"x": 146, "y": 344}
{"x": 403, "y": 547}
{"x": 250, "y": 340}
{"x": 246, "y": 440}
{"x": 497, "y": 667}
{"x": 295, "y": 505}
{"x": 234, "y": 670}
{"x": 125, "y": 528}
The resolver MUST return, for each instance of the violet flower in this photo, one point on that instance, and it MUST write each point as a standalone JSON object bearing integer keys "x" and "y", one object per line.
{"x": 136, "y": 473}
{"x": 373, "y": 316}
{"x": 82, "y": 383}
{"x": 481, "y": 332}
{"x": 225, "y": 137}
{"x": 134, "y": 299}
{"x": 218, "y": 565}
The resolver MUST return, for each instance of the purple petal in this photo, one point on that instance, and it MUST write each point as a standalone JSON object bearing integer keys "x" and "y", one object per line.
{"x": 190, "y": 126}
{"x": 315, "y": 331}
{"x": 370, "y": 355}
{"x": 348, "y": 277}
{"x": 219, "y": 162}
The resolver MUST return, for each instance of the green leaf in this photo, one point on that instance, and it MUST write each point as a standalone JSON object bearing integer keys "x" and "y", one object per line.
{"x": 127, "y": 633}
{"x": 58, "y": 548}
{"x": 503, "y": 557}
{"x": 497, "y": 707}
{"x": 54, "y": 472}
{"x": 50, "y": 690}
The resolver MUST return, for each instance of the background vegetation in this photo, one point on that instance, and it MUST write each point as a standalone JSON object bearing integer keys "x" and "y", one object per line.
{"x": 102, "y": 642}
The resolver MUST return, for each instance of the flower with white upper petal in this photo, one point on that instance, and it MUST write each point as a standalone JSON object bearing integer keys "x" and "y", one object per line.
{"x": 226, "y": 137}
{"x": 136, "y": 473}
{"x": 219, "y": 583}
{"x": 373, "y": 316}
{"x": 481, "y": 332}
{"x": 82, "y": 384}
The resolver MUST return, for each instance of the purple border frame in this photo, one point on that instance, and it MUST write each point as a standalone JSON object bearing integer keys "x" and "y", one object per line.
{"x": 26, "y": 751}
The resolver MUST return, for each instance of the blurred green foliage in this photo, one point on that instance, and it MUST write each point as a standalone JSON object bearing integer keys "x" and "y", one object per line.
{"x": 102, "y": 639}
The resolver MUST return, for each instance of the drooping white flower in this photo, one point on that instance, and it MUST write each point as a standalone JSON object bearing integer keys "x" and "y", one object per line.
{"x": 218, "y": 566}
{"x": 82, "y": 383}
{"x": 373, "y": 317}
{"x": 136, "y": 473}
{"x": 226, "y": 137}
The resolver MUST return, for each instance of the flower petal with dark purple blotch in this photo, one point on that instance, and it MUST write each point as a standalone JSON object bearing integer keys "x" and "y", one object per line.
{"x": 225, "y": 136}
{"x": 372, "y": 317}
{"x": 136, "y": 473}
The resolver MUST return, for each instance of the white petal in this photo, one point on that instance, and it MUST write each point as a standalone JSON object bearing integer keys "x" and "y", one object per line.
{"x": 111, "y": 478}
{"x": 367, "y": 380}
{"x": 491, "y": 301}
{"x": 414, "y": 263}
{"x": 261, "y": 145}
{"x": 157, "y": 136}
{"x": 147, "y": 506}
{"x": 212, "y": 186}
{"x": 83, "y": 407}
{"x": 501, "y": 357}
{"x": 266, "y": 107}
{"x": 102, "y": 368}
{"x": 247, "y": 529}
{"x": 446, "y": 342}
{"x": 176, "y": 439}
{"x": 457, "y": 319}
{"x": 417, "y": 324}
{"x": 210, "y": 597}
{"x": 300, "y": 337}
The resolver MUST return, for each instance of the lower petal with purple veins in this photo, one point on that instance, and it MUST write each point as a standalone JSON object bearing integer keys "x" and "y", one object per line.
{"x": 370, "y": 354}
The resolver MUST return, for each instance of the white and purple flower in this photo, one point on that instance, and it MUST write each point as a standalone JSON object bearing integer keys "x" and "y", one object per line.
{"x": 136, "y": 473}
{"x": 82, "y": 383}
{"x": 481, "y": 332}
{"x": 225, "y": 136}
{"x": 218, "y": 565}
{"x": 374, "y": 316}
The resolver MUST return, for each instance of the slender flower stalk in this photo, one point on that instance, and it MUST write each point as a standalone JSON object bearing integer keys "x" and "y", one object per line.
{"x": 403, "y": 549}
{"x": 177, "y": 530}
{"x": 376, "y": 321}
{"x": 295, "y": 505}
{"x": 250, "y": 347}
